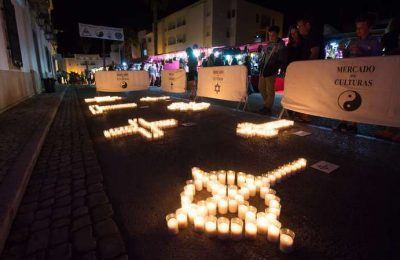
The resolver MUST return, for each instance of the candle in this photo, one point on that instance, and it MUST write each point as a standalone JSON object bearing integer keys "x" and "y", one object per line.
{"x": 272, "y": 179}
{"x": 245, "y": 192}
{"x": 242, "y": 209}
{"x": 190, "y": 186}
{"x": 274, "y": 203}
{"x": 211, "y": 206}
{"x": 198, "y": 184}
{"x": 271, "y": 214}
{"x": 263, "y": 190}
{"x": 222, "y": 177}
{"x": 252, "y": 188}
{"x": 239, "y": 198}
{"x": 269, "y": 197}
{"x": 286, "y": 240}
{"x": 223, "y": 227}
{"x": 172, "y": 224}
{"x": 199, "y": 223}
{"x": 223, "y": 206}
{"x": 231, "y": 177}
{"x": 211, "y": 226}
{"x": 182, "y": 218}
{"x": 205, "y": 179}
{"x": 236, "y": 228}
{"x": 233, "y": 205}
{"x": 251, "y": 213}
{"x": 185, "y": 199}
{"x": 241, "y": 179}
{"x": 276, "y": 211}
{"x": 250, "y": 229}
{"x": 232, "y": 191}
{"x": 202, "y": 208}
{"x": 192, "y": 212}
{"x": 274, "y": 228}
{"x": 262, "y": 223}
{"x": 258, "y": 182}
{"x": 222, "y": 190}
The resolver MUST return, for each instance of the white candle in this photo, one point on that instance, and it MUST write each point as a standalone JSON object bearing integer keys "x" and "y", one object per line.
{"x": 268, "y": 197}
{"x": 239, "y": 198}
{"x": 236, "y": 228}
{"x": 250, "y": 229}
{"x": 274, "y": 228}
{"x": 211, "y": 226}
{"x": 185, "y": 199}
{"x": 223, "y": 227}
{"x": 172, "y": 224}
{"x": 206, "y": 179}
{"x": 222, "y": 206}
{"x": 263, "y": 190}
{"x": 286, "y": 240}
{"x": 182, "y": 218}
{"x": 242, "y": 209}
{"x": 192, "y": 212}
{"x": 233, "y": 205}
{"x": 222, "y": 177}
{"x": 231, "y": 177}
{"x": 274, "y": 203}
{"x": 258, "y": 182}
{"x": 241, "y": 179}
{"x": 276, "y": 211}
{"x": 251, "y": 213}
{"x": 232, "y": 191}
{"x": 202, "y": 208}
{"x": 222, "y": 190}
{"x": 252, "y": 188}
{"x": 262, "y": 223}
{"x": 199, "y": 223}
{"x": 211, "y": 206}
{"x": 245, "y": 192}
{"x": 198, "y": 184}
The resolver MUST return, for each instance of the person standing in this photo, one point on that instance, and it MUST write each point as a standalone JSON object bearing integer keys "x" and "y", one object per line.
{"x": 192, "y": 73}
{"x": 273, "y": 58}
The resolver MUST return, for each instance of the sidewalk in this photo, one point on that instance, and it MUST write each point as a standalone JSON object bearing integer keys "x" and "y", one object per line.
{"x": 65, "y": 212}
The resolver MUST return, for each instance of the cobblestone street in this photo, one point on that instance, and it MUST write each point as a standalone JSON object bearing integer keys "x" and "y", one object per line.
{"x": 65, "y": 212}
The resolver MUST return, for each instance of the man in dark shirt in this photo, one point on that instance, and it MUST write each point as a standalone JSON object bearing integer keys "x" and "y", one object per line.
{"x": 312, "y": 42}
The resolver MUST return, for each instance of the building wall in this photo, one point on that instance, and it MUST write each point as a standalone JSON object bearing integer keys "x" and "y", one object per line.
{"x": 17, "y": 84}
{"x": 77, "y": 63}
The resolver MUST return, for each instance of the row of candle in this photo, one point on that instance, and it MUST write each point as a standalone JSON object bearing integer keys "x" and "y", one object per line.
{"x": 265, "y": 130}
{"x": 154, "y": 99}
{"x": 149, "y": 130}
{"x": 191, "y": 106}
{"x": 102, "y": 99}
{"x": 96, "y": 109}
{"x": 230, "y": 192}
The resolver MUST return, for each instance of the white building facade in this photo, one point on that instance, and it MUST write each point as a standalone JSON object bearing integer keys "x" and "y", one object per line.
{"x": 27, "y": 50}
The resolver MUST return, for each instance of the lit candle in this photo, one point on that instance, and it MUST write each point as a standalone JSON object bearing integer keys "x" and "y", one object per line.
{"x": 172, "y": 224}
{"x": 223, "y": 227}
{"x": 222, "y": 177}
{"x": 205, "y": 180}
{"x": 242, "y": 209}
{"x": 252, "y": 188}
{"x": 211, "y": 206}
{"x": 274, "y": 227}
{"x": 245, "y": 192}
{"x": 239, "y": 198}
{"x": 222, "y": 190}
{"x": 269, "y": 197}
{"x": 231, "y": 177}
{"x": 181, "y": 216}
{"x": 185, "y": 199}
{"x": 241, "y": 179}
{"x": 262, "y": 223}
{"x": 192, "y": 212}
{"x": 274, "y": 203}
{"x": 259, "y": 182}
{"x": 202, "y": 208}
{"x": 286, "y": 240}
{"x": 233, "y": 205}
{"x": 251, "y": 213}
{"x": 272, "y": 179}
{"x": 263, "y": 191}
{"x": 236, "y": 228}
{"x": 198, "y": 183}
{"x": 199, "y": 223}
{"x": 276, "y": 211}
{"x": 223, "y": 206}
{"x": 211, "y": 226}
{"x": 250, "y": 229}
{"x": 232, "y": 191}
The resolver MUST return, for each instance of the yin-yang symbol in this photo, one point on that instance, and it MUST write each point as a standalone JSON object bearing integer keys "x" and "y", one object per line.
{"x": 124, "y": 84}
{"x": 349, "y": 100}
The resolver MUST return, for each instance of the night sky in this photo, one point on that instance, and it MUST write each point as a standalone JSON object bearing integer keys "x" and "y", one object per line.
{"x": 136, "y": 14}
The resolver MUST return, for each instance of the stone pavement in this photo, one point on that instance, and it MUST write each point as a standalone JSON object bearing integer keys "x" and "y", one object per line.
{"x": 65, "y": 212}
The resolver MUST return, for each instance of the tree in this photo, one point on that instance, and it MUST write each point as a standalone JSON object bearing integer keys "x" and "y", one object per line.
{"x": 155, "y": 6}
{"x": 131, "y": 41}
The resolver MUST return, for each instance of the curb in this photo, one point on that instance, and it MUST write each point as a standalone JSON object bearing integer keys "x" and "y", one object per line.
{"x": 17, "y": 179}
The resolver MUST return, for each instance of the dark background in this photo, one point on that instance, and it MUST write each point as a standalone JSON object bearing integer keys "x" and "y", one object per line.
{"x": 136, "y": 14}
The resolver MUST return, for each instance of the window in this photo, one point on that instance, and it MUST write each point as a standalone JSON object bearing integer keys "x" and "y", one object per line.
{"x": 171, "y": 26}
{"x": 257, "y": 18}
{"x": 265, "y": 20}
{"x": 233, "y": 13}
{"x": 171, "y": 40}
{"x": 180, "y": 22}
{"x": 12, "y": 33}
{"x": 181, "y": 38}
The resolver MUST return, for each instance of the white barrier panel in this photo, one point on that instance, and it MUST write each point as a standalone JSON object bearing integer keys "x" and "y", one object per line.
{"x": 121, "y": 81}
{"x": 364, "y": 90}
{"x": 173, "y": 81}
{"x": 223, "y": 82}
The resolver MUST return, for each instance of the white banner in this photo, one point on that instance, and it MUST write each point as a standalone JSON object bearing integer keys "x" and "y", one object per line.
{"x": 173, "y": 81}
{"x": 364, "y": 90}
{"x": 121, "y": 81}
{"x": 223, "y": 82}
{"x": 101, "y": 32}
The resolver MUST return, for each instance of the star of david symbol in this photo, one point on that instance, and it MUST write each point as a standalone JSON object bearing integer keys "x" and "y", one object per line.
{"x": 217, "y": 88}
